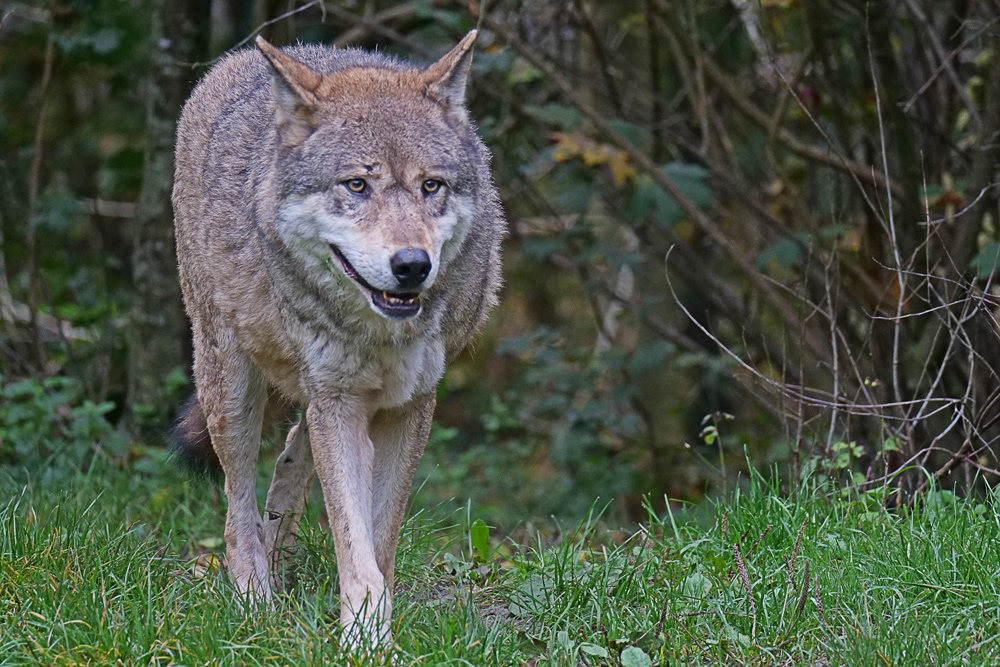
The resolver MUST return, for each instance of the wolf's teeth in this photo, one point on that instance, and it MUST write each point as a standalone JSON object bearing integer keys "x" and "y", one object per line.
{"x": 399, "y": 301}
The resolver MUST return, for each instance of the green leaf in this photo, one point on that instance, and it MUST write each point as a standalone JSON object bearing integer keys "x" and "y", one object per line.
{"x": 523, "y": 72}
{"x": 105, "y": 41}
{"x": 648, "y": 198}
{"x": 594, "y": 650}
{"x": 456, "y": 565}
{"x": 479, "y": 536}
{"x": 213, "y": 542}
{"x": 690, "y": 178}
{"x": 986, "y": 262}
{"x": 786, "y": 253}
{"x": 564, "y": 117}
{"x": 634, "y": 656}
{"x": 650, "y": 357}
{"x": 637, "y": 135}
{"x": 696, "y": 585}
{"x": 530, "y": 598}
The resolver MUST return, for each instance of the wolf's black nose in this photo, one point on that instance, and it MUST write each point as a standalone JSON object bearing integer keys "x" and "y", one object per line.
{"x": 411, "y": 266}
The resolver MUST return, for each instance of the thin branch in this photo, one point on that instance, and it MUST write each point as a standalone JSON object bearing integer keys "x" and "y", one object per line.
{"x": 34, "y": 184}
{"x": 276, "y": 19}
{"x": 601, "y": 54}
{"x": 374, "y": 26}
{"x": 893, "y": 239}
{"x": 740, "y": 101}
{"x": 947, "y": 60}
{"x": 690, "y": 209}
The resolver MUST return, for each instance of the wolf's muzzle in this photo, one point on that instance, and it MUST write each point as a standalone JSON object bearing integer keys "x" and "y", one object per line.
{"x": 394, "y": 305}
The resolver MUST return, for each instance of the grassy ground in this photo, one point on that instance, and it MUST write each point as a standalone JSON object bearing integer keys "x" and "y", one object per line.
{"x": 115, "y": 567}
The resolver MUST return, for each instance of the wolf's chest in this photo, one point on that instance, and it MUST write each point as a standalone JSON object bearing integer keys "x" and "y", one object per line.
{"x": 390, "y": 374}
{"x": 409, "y": 371}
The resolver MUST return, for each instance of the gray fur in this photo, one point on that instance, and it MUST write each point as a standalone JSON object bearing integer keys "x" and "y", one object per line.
{"x": 266, "y": 147}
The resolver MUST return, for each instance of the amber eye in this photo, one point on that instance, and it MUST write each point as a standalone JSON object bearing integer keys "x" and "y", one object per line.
{"x": 431, "y": 186}
{"x": 356, "y": 185}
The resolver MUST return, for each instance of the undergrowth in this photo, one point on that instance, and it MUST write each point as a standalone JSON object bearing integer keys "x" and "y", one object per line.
{"x": 118, "y": 566}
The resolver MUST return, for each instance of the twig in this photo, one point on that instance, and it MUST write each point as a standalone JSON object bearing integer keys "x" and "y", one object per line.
{"x": 690, "y": 209}
{"x": 945, "y": 61}
{"x": 600, "y": 54}
{"x": 799, "y": 392}
{"x": 360, "y": 31}
{"x": 31, "y": 238}
{"x": 972, "y": 204}
{"x": 893, "y": 240}
{"x": 742, "y": 103}
{"x": 787, "y": 91}
{"x": 835, "y": 347}
{"x": 653, "y": 44}
{"x": 276, "y": 19}
{"x": 378, "y": 28}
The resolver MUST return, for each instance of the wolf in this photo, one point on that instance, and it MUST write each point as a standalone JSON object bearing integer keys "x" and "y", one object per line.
{"x": 338, "y": 240}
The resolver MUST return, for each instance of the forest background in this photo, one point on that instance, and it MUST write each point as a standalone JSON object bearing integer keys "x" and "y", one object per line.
{"x": 741, "y": 233}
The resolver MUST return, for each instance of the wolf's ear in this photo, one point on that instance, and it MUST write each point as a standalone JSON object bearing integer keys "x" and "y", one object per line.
{"x": 446, "y": 79}
{"x": 294, "y": 85}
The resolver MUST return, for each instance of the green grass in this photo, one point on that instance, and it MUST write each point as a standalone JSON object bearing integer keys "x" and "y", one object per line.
{"x": 108, "y": 567}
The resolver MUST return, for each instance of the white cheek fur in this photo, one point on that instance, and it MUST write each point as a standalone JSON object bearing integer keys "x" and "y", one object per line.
{"x": 453, "y": 230}
{"x": 308, "y": 220}
{"x": 304, "y": 226}
{"x": 308, "y": 229}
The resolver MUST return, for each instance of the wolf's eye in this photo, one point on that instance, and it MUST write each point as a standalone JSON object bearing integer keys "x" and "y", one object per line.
{"x": 356, "y": 185}
{"x": 431, "y": 185}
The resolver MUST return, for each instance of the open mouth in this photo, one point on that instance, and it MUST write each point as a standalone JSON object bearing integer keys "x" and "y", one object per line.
{"x": 394, "y": 305}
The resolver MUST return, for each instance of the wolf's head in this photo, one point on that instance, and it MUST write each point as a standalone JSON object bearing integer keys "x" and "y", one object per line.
{"x": 377, "y": 172}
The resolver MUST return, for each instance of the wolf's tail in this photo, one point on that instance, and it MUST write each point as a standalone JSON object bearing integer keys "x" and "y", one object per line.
{"x": 192, "y": 443}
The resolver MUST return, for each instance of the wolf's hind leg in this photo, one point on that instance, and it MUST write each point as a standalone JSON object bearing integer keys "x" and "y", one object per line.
{"x": 293, "y": 476}
{"x": 399, "y": 436}
{"x": 232, "y": 394}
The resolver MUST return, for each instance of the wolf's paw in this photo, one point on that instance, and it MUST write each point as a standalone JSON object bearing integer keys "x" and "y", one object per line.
{"x": 254, "y": 594}
{"x": 371, "y": 636}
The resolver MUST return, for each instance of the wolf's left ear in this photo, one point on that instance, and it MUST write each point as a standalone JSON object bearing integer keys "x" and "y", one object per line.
{"x": 294, "y": 86}
{"x": 447, "y": 78}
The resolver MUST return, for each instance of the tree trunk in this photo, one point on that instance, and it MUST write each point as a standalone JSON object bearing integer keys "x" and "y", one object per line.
{"x": 158, "y": 328}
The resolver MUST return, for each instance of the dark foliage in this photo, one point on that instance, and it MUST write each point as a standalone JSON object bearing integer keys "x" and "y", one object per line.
{"x": 821, "y": 178}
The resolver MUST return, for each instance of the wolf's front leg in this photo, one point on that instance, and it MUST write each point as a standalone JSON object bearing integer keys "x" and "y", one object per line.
{"x": 399, "y": 436}
{"x": 342, "y": 453}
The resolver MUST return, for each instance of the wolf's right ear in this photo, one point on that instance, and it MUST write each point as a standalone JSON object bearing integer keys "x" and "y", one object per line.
{"x": 294, "y": 85}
